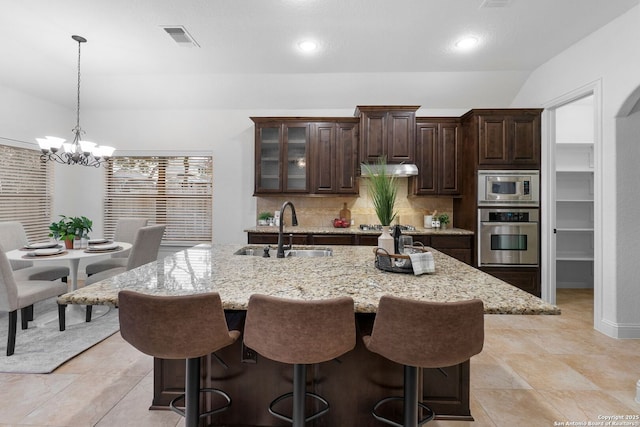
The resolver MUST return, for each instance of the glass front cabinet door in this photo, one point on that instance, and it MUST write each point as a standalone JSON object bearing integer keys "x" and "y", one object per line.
{"x": 282, "y": 151}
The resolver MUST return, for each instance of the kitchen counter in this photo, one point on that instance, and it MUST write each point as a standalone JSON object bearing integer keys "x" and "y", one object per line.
{"x": 449, "y": 231}
{"x": 361, "y": 378}
{"x": 349, "y": 272}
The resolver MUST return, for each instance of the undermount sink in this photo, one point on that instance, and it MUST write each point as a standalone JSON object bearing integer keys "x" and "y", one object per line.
{"x": 295, "y": 252}
{"x": 308, "y": 253}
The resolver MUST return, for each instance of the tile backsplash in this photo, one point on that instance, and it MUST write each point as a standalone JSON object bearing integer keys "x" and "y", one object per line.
{"x": 320, "y": 211}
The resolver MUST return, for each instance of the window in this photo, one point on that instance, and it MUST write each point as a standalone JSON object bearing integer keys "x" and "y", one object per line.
{"x": 171, "y": 190}
{"x": 26, "y": 190}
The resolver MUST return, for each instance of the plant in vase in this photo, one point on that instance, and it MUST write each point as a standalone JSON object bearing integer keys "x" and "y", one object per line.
{"x": 382, "y": 191}
{"x": 264, "y": 218}
{"x": 444, "y": 220}
{"x": 69, "y": 228}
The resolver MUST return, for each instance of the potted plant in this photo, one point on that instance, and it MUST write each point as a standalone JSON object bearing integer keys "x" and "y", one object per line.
{"x": 70, "y": 228}
{"x": 382, "y": 190}
{"x": 264, "y": 217}
{"x": 444, "y": 220}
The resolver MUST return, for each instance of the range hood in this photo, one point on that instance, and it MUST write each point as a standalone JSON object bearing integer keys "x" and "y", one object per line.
{"x": 401, "y": 170}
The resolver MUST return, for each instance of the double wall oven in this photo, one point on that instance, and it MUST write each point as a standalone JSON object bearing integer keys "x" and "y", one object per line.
{"x": 508, "y": 218}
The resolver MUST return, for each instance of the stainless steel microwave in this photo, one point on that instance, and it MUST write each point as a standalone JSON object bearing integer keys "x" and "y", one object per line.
{"x": 509, "y": 188}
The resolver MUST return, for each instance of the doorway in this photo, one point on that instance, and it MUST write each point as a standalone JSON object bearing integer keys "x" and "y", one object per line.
{"x": 570, "y": 229}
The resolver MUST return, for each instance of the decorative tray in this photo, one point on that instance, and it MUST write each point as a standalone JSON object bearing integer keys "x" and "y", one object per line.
{"x": 396, "y": 263}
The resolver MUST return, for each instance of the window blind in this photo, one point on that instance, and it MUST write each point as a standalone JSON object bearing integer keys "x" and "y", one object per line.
{"x": 26, "y": 190}
{"x": 171, "y": 190}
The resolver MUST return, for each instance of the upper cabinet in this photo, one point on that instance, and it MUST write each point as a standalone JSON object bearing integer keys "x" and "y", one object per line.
{"x": 281, "y": 156}
{"x": 438, "y": 149}
{"x": 506, "y": 137}
{"x": 334, "y": 157}
{"x": 387, "y": 131}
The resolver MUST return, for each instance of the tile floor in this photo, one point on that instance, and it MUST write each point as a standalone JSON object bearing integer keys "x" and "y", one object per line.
{"x": 533, "y": 371}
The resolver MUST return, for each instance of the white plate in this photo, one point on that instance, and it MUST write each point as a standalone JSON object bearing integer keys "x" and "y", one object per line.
{"x": 105, "y": 247}
{"x": 45, "y": 252}
{"x": 98, "y": 241}
{"x": 43, "y": 245}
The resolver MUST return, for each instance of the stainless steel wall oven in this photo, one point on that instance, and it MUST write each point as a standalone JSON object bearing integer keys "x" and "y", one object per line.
{"x": 508, "y": 237}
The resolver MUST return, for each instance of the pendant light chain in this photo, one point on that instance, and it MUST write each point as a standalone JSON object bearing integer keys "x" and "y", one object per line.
{"x": 78, "y": 152}
{"x": 78, "y": 129}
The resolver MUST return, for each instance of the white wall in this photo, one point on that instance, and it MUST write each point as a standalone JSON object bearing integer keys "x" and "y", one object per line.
{"x": 611, "y": 56}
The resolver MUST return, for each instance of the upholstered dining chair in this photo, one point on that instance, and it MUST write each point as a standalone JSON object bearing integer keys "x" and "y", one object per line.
{"x": 13, "y": 236}
{"x": 143, "y": 251}
{"x": 126, "y": 229}
{"x": 21, "y": 295}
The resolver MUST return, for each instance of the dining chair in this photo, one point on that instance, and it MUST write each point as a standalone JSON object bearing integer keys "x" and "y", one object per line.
{"x": 126, "y": 229}
{"x": 22, "y": 294}
{"x": 13, "y": 236}
{"x": 143, "y": 251}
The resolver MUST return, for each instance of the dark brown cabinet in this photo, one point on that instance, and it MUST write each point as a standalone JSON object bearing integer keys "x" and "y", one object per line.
{"x": 507, "y": 137}
{"x": 525, "y": 278}
{"x": 387, "y": 131}
{"x": 459, "y": 247}
{"x": 438, "y": 148}
{"x": 281, "y": 156}
{"x": 334, "y": 157}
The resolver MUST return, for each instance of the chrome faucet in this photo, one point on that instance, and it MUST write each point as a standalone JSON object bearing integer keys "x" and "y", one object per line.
{"x": 294, "y": 221}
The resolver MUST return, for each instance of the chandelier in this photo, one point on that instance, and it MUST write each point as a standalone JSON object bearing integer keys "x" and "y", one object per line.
{"x": 78, "y": 152}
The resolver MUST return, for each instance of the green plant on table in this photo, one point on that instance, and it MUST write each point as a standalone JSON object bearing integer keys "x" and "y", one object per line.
{"x": 382, "y": 190}
{"x": 265, "y": 216}
{"x": 69, "y": 227}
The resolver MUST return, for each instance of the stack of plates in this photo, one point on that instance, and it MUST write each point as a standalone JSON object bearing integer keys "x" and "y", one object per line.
{"x": 43, "y": 245}
{"x": 46, "y": 252}
{"x": 103, "y": 248}
{"x": 98, "y": 241}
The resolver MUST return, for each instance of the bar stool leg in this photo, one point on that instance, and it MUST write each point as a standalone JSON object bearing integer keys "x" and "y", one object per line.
{"x": 299, "y": 396}
{"x": 192, "y": 393}
{"x": 410, "y": 396}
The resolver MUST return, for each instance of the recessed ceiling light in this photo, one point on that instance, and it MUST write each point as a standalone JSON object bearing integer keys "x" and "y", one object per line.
{"x": 308, "y": 45}
{"x": 467, "y": 42}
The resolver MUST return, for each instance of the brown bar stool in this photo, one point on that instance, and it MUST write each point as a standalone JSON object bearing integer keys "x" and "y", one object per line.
{"x": 423, "y": 334}
{"x": 178, "y": 327}
{"x": 300, "y": 333}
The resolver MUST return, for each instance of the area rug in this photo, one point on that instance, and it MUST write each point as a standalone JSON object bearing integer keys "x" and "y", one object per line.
{"x": 42, "y": 348}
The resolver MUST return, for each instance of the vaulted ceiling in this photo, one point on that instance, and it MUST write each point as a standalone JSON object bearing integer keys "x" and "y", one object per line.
{"x": 248, "y": 55}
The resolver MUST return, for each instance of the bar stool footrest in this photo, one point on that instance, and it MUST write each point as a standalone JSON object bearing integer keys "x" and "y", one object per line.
{"x": 421, "y": 405}
{"x": 177, "y": 410}
{"x": 290, "y": 395}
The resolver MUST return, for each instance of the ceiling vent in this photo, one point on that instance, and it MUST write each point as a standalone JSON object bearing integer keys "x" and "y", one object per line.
{"x": 495, "y": 3}
{"x": 180, "y": 35}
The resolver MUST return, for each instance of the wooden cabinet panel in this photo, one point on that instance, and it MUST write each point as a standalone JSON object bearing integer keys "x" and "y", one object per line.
{"x": 509, "y": 138}
{"x": 438, "y": 147}
{"x": 401, "y": 137}
{"x": 525, "y": 144}
{"x": 387, "y": 131}
{"x": 492, "y": 144}
{"x": 450, "y": 148}
{"x": 272, "y": 239}
{"x": 323, "y": 153}
{"x": 281, "y": 156}
{"x": 527, "y": 279}
{"x": 332, "y": 239}
{"x": 334, "y": 157}
{"x": 426, "y": 182}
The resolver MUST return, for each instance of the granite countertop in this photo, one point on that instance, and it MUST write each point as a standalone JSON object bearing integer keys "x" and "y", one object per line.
{"x": 449, "y": 231}
{"x": 349, "y": 272}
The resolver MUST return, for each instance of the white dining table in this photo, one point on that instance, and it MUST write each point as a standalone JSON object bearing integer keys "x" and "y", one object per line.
{"x": 73, "y": 257}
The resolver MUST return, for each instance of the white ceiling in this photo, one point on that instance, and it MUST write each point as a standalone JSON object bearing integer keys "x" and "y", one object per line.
{"x": 249, "y": 47}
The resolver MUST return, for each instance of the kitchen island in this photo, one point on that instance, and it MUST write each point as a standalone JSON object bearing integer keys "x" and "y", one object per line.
{"x": 354, "y": 383}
